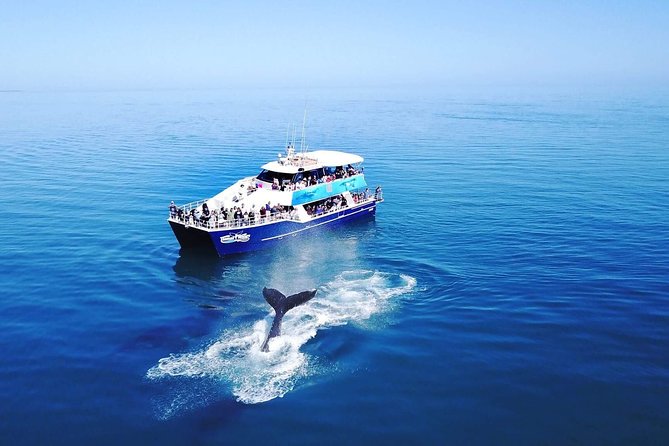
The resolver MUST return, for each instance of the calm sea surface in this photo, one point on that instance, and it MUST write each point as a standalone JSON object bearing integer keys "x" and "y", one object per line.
{"x": 513, "y": 288}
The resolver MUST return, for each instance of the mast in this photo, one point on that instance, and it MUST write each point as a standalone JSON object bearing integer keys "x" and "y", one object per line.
{"x": 287, "y": 136}
{"x": 303, "y": 148}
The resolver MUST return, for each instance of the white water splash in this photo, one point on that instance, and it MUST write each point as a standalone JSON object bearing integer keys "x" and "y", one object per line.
{"x": 255, "y": 376}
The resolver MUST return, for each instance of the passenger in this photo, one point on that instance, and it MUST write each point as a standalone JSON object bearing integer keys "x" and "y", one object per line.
{"x": 173, "y": 209}
{"x": 206, "y": 215}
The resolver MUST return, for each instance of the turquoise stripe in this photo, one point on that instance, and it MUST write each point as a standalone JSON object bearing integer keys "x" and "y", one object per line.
{"x": 321, "y": 191}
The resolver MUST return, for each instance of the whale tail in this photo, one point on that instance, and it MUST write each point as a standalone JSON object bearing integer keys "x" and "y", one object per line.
{"x": 281, "y": 305}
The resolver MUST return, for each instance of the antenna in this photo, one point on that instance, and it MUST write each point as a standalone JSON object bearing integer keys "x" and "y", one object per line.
{"x": 304, "y": 123}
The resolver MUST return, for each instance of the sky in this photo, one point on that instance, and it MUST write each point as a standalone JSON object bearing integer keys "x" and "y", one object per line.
{"x": 217, "y": 44}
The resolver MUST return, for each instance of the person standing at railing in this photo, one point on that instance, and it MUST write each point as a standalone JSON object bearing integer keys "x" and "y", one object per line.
{"x": 206, "y": 215}
{"x": 173, "y": 209}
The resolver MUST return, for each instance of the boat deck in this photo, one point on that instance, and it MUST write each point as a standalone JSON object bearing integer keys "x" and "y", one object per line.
{"x": 216, "y": 222}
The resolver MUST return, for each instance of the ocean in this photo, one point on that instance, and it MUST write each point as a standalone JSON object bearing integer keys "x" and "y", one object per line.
{"x": 512, "y": 289}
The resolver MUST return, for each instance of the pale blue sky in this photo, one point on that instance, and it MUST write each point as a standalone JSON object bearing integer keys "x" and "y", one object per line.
{"x": 213, "y": 44}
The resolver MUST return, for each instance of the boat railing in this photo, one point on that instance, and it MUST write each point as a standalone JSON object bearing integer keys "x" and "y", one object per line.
{"x": 215, "y": 221}
{"x": 334, "y": 209}
{"x": 186, "y": 208}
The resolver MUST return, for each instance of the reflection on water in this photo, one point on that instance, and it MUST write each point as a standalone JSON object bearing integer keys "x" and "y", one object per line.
{"x": 300, "y": 262}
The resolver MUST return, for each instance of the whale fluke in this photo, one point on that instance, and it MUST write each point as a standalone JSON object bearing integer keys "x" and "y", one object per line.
{"x": 281, "y": 305}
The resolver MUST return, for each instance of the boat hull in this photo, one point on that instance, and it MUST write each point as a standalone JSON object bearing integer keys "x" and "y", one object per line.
{"x": 251, "y": 238}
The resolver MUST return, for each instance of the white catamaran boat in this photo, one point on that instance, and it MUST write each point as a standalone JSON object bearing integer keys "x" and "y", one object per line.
{"x": 297, "y": 193}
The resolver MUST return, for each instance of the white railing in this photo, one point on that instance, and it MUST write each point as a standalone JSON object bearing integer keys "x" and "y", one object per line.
{"x": 186, "y": 208}
{"x": 215, "y": 221}
{"x": 335, "y": 209}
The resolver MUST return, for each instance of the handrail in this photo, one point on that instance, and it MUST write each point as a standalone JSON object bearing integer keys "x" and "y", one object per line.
{"x": 336, "y": 209}
{"x": 192, "y": 205}
{"x": 188, "y": 221}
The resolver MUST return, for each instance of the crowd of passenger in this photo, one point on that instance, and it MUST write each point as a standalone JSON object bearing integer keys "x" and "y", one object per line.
{"x": 336, "y": 203}
{"x": 232, "y": 217}
{"x": 315, "y": 177}
{"x": 237, "y": 216}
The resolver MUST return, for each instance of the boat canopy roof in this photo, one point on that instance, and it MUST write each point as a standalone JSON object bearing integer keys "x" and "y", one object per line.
{"x": 312, "y": 160}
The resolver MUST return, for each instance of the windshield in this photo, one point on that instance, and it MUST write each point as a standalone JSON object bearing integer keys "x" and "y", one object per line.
{"x": 268, "y": 176}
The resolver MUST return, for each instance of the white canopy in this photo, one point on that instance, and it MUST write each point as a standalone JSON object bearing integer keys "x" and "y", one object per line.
{"x": 334, "y": 158}
{"x": 313, "y": 160}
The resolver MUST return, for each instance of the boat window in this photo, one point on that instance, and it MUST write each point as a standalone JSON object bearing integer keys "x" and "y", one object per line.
{"x": 268, "y": 176}
{"x": 298, "y": 177}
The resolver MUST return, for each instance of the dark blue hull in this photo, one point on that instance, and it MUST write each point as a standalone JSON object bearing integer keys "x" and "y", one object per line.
{"x": 250, "y": 238}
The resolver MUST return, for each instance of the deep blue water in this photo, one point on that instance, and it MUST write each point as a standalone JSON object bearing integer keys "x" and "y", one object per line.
{"x": 513, "y": 288}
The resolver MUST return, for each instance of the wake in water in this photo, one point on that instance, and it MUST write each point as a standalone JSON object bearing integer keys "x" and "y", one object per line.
{"x": 255, "y": 376}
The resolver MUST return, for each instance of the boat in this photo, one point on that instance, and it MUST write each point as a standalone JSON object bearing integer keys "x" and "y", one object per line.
{"x": 298, "y": 193}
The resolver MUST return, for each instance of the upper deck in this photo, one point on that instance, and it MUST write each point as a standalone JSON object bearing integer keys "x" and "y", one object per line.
{"x": 293, "y": 162}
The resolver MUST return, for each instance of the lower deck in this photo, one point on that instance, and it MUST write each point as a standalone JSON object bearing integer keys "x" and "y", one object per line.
{"x": 230, "y": 237}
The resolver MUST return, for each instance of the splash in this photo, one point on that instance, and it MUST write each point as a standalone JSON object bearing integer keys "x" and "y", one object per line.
{"x": 256, "y": 377}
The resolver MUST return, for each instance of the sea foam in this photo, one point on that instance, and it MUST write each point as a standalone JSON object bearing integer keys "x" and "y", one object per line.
{"x": 255, "y": 377}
